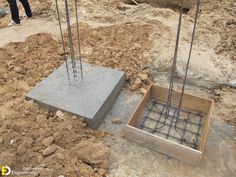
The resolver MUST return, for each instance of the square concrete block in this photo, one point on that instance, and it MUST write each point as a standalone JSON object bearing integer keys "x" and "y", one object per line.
{"x": 91, "y": 98}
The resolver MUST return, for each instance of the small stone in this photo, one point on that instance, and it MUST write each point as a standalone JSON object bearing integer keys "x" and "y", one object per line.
{"x": 48, "y": 141}
{"x": 85, "y": 151}
{"x": 51, "y": 114}
{"x": 41, "y": 118}
{"x": 138, "y": 82}
{"x": 100, "y": 134}
{"x": 82, "y": 119}
{"x": 89, "y": 131}
{"x": 60, "y": 156}
{"x": 137, "y": 46}
{"x": 12, "y": 142}
{"x": 60, "y": 115}
{"x": 43, "y": 165}
{"x": 146, "y": 71}
{"x": 232, "y": 83}
{"x": 26, "y": 144}
{"x": 74, "y": 117}
{"x": 40, "y": 159}
{"x": 82, "y": 124}
{"x": 134, "y": 87}
{"x": 56, "y": 134}
{"x": 1, "y": 140}
{"x": 116, "y": 120}
{"x": 101, "y": 171}
{"x": 143, "y": 91}
{"x": 96, "y": 175}
{"x": 85, "y": 170}
{"x": 18, "y": 70}
{"x": 21, "y": 149}
{"x": 50, "y": 150}
{"x": 23, "y": 133}
{"x": 143, "y": 76}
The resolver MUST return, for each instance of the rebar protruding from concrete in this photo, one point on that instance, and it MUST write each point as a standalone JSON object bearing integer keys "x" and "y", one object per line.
{"x": 73, "y": 60}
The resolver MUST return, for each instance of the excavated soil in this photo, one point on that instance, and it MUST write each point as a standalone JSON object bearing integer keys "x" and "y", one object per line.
{"x": 219, "y": 19}
{"x": 32, "y": 135}
{"x": 120, "y": 47}
{"x": 137, "y": 39}
{"x": 225, "y": 104}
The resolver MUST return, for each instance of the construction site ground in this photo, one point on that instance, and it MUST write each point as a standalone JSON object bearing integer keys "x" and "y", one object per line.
{"x": 139, "y": 40}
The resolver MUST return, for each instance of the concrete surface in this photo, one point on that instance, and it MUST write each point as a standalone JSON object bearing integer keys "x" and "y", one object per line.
{"x": 91, "y": 98}
{"x": 130, "y": 160}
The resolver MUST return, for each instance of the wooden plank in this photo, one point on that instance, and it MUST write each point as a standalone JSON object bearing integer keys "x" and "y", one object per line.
{"x": 190, "y": 102}
{"x": 162, "y": 145}
{"x": 165, "y": 146}
{"x": 136, "y": 115}
{"x": 206, "y": 128}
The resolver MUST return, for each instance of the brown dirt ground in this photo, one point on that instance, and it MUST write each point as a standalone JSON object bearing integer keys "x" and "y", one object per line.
{"x": 119, "y": 46}
{"x": 26, "y": 128}
{"x": 225, "y": 104}
{"x": 222, "y": 15}
{"x": 25, "y": 125}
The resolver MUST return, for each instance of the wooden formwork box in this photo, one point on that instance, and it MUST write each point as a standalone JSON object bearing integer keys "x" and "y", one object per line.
{"x": 170, "y": 148}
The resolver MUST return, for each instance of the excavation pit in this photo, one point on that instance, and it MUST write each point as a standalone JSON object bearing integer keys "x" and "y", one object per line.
{"x": 186, "y": 141}
{"x": 90, "y": 98}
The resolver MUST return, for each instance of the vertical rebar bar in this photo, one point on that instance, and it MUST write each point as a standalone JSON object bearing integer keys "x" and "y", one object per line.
{"x": 170, "y": 91}
{"x": 62, "y": 40}
{"x": 188, "y": 62}
{"x": 70, "y": 36}
{"x": 78, "y": 35}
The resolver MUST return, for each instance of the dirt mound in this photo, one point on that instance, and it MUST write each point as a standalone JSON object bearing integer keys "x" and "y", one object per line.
{"x": 122, "y": 47}
{"x": 225, "y": 105}
{"x": 42, "y": 8}
{"x": 32, "y": 136}
{"x": 227, "y": 44}
{"x": 29, "y": 61}
{"x": 217, "y": 26}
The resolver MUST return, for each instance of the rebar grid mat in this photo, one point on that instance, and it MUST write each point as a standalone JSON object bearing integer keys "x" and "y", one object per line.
{"x": 188, "y": 129}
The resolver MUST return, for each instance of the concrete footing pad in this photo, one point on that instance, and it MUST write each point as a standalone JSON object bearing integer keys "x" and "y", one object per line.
{"x": 91, "y": 98}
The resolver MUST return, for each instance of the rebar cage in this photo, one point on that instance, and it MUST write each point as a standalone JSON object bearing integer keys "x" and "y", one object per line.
{"x": 189, "y": 125}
